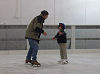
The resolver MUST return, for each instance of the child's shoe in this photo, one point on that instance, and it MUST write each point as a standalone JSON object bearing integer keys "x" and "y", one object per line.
{"x": 65, "y": 61}
{"x": 61, "y": 60}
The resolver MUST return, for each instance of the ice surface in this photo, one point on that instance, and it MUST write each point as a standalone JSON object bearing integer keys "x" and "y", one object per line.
{"x": 79, "y": 63}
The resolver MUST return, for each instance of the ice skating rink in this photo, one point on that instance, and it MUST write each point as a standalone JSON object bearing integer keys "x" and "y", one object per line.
{"x": 80, "y": 62}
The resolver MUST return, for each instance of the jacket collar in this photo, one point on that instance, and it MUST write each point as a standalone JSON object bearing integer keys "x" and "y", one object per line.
{"x": 42, "y": 17}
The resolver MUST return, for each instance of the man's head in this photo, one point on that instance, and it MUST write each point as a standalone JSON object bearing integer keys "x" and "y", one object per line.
{"x": 44, "y": 14}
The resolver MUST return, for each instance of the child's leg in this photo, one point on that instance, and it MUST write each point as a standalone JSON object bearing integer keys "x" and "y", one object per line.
{"x": 64, "y": 50}
{"x": 61, "y": 51}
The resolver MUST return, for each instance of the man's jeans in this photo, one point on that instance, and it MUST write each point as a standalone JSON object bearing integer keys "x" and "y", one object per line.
{"x": 33, "y": 50}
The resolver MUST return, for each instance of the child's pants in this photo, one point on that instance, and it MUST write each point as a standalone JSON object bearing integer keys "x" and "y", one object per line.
{"x": 63, "y": 52}
{"x": 33, "y": 50}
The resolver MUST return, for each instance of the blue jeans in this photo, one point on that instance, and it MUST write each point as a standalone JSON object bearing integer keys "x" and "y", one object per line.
{"x": 33, "y": 50}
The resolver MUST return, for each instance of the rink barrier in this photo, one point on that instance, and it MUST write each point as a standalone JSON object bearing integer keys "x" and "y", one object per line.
{"x": 20, "y": 40}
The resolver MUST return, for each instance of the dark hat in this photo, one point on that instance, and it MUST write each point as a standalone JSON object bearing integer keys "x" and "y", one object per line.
{"x": 62, "y": 25}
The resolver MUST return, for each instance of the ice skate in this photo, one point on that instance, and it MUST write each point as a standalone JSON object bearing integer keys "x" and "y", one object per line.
{"x": 65, "y": 61}
{"x": 61, "y": 60}
{"x": 27, "y": 61}
{"x": 36, "y": 64}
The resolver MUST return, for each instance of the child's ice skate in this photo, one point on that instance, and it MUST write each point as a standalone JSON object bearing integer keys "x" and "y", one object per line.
{"x": 61, "y": 60}
{"x": 65, "y": 61}
{"x": 27, "y": 61}
{"x": 36, "y": 64}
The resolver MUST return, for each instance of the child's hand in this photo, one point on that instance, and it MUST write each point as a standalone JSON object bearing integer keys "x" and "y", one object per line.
{"x": 44, "y": 33}
{"x": 53, "y": 38}
{"x": 60, "y": 32}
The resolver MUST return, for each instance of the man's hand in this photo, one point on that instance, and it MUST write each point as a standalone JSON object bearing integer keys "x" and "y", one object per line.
{"x": 44, "y": 33}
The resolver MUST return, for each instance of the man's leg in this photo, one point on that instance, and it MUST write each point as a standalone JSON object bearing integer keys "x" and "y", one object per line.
{"x": 29, "y": 54}
{"x": 35, "y": 50}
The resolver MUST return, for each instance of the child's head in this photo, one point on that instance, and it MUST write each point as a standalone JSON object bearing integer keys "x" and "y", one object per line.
{"x": 61, "y": 26}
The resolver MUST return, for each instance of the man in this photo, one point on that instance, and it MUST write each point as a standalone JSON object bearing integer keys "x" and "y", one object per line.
{"x": 33, "y": 33}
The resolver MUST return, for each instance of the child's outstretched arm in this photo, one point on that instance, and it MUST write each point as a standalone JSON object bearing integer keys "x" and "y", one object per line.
{"x": 56, "y": 36}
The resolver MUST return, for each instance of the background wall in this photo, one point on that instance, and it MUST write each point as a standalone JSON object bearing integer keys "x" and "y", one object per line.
{"x": 71, "y": 12}
{"x": 79, "y": 12}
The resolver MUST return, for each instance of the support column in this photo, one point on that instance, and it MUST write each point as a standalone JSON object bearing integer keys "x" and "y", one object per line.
{"x": 73, "y": 37}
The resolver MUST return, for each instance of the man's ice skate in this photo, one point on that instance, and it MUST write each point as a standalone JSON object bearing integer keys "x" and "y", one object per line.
{"x": 65, "y": 61}
{"x": 36, "y": 64}
{"x": 27, "y": 61}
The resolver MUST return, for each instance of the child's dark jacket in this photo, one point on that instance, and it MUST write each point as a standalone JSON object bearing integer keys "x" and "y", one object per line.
{"x": 61, "y": 38}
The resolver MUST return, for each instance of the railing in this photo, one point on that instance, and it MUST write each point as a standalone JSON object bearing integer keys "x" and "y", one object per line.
{"x": 73, "y": 29}
{"x": 13, "y": 36}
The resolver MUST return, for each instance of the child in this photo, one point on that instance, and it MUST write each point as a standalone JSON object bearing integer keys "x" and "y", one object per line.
{"x": 62, "y": 40}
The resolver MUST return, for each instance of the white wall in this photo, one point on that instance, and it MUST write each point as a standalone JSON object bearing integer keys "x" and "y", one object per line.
{"x": 79, "y": 12}
{"x": 93, "y": 12}
{"x": 70, "y": 11}
{"x": 32, "y": 8}
{"x": 8, "y": 12}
